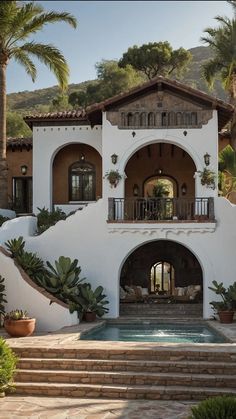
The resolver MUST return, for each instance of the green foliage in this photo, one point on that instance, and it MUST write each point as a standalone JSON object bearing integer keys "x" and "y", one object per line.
{"x": 15, "y": 246}
{"x": 228, "y": 296}
{"x": 19, "y": 21}
{"x": 113, "y": 176}
{"x": 16, "y": 126}
{"x": 208, "y": 178}
{"x": 2, "y": 295}
{"x": 17, "y": 315}
{"x": 31, "y": 264}
{"x": 63, "y": 281}
{"x": 93, "y": 301}
{"x": 3, "y": 219}
{"x": 112, "y": 80}
{"x": 8, "y": 362}
{"x": 160, "y": 190}
{"x": 48, "y": 219}
{"x": 156, "y": 58}
{"x": 60, "y": 103}
{"x": 227, "y": 171}
{"x": 220, "y": 407}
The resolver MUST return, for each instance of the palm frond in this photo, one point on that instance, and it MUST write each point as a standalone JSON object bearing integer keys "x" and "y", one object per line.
{"x": 23, "y": 59}
{"x": 210, "y": 70}
{"x": 52, "y": 58}
{"x": 227, "y": 160}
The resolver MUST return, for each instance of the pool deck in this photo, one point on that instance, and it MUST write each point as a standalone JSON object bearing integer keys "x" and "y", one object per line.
{"x": 13, "y": 407}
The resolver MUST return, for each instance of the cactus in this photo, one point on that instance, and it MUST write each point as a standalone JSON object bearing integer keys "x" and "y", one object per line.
{"x": 17, "y": 315}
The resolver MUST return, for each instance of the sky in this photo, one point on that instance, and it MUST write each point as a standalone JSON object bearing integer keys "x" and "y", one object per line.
{"x": 106, "y": 29}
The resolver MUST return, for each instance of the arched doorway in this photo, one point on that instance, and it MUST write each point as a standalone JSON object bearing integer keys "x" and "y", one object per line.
{"x": 161, "y": 270}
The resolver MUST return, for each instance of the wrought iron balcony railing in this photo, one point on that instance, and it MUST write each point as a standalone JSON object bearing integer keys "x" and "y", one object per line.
{"x": 160, "y": 209}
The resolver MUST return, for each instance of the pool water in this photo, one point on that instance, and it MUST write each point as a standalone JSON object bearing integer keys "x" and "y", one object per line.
{"x": 171, "y": 333}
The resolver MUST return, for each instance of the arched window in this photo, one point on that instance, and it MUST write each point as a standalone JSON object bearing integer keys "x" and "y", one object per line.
{"x": 187, "y": 118}
{"x": 194, "y": 118}
{"x": 130, "y": 119}
{"x": 151, "y": 119}
{"x": 143, "y": 119}
{"x": 179, "y": 119}
{"x": 82, "y": 181}
{"x": 171, "y": 119}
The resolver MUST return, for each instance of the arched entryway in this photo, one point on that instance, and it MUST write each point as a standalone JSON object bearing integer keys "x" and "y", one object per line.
{"x": 161, "y": 271}
{"x": 160, "y": 163}
{"x": 77, "y": 175}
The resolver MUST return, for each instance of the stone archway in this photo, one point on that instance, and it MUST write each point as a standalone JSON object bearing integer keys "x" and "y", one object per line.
{"x": 182, "y": 284}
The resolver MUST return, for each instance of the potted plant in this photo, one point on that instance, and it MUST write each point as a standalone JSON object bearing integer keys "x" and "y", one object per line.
{"x": 226, "y": 307}
{"x": 92, "y": 303}
{"x": 113, "y": 176}
{"x": 208, "y": 178}
{"x": 17, "y": 323}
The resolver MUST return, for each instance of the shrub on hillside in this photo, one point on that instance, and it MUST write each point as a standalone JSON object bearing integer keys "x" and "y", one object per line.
{"x": 8, "y": 362}
{"x": 220, "y": 407}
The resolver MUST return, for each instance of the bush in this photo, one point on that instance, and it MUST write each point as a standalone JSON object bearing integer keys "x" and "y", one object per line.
{"x": 3, "y": 219}
{"x": 220, "y": 407}
{"x": 48, "y": 219}
{"x": 8, "y": 362}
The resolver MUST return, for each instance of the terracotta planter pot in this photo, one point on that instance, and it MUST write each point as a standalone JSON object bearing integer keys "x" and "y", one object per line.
{"x": 90, "y": 317}
{"x": 19, "y": 328}
{"x": 226, "y": 316}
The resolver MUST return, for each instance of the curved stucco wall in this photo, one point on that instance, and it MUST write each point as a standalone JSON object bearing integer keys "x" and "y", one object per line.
{"x": 102, "y": 248}
{"x": 20, "y": 295}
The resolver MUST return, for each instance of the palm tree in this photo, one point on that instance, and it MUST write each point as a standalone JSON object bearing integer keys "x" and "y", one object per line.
{"x": 227, "y": 171}
{"x": 222, "y": 41}
{"x": 19, "y": 21}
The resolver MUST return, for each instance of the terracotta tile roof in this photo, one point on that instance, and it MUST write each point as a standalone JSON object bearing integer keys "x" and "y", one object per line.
{"x": 79, "y": 115}
{"x": 19, "y": 142}
{"x": 93, "y": 113}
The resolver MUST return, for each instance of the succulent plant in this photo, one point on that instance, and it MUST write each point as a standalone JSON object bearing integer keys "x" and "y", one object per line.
{"x": 15, "y": 246}
{"x": 17, "y": 315}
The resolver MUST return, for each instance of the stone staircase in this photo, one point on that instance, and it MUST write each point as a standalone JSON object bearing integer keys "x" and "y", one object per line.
{"x": 167, "y": 373}
{"x": 163, "y": 310}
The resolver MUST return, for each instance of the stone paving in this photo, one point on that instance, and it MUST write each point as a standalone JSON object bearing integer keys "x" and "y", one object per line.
{"x": 13, "y": 407}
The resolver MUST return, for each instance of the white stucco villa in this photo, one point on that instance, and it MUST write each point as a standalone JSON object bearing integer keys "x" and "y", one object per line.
{"x": 159, "y": 228}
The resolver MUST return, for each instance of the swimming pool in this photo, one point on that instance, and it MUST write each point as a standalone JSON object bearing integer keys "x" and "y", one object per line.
{"x": 162, "y": 332}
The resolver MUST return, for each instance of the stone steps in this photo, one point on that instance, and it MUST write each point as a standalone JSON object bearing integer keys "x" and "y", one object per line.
{"x": 158, "y": 353}
{"x": 161, "y": 309}
{"x": 191, "y": 367}
{"x": 132, "y": 371}
{"x": 126, "y": 378}
{"x": 120, "y": 391}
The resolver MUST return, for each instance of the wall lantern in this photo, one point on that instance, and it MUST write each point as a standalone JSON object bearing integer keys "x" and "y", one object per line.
{"x": 185, "y": 133}
{"x": 184, "y": 189}
{"x": 136, "y": 190}
{"x": 114, "y": 158}
{"x": 159, "y": 171}
{"x": 207, "y": 159}
{"x": 24, "y": 169}
{"x": 82, "y": 157}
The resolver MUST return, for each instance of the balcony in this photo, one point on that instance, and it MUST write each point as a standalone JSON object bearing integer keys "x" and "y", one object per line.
{"x": 161, "y": 210}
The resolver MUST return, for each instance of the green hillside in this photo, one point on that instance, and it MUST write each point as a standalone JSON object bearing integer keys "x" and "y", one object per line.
{"x": 28, "y": 101}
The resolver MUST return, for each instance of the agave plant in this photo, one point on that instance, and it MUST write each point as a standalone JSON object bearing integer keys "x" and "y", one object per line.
{"x": 63, "y": 280}
{"x": 93, "y": 301}
{"x": 31, "y": 264}
{"x": 17, "y": 315}
{"x": 15, "y": 246}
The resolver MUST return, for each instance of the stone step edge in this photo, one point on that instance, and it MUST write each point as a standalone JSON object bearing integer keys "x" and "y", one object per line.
{"x": 122, "y": 388}
{"x": 128, "y": 374}
{"x": 211, "y": 364}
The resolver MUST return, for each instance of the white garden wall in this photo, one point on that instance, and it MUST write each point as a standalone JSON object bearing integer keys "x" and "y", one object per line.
{"x": 102, "y": 248}
{"x": 21, "y": 226}
{"x": 20, "y": 295}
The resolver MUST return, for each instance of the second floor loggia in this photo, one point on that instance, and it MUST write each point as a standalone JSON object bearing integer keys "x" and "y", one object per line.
{"x": 161, "y": 185}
